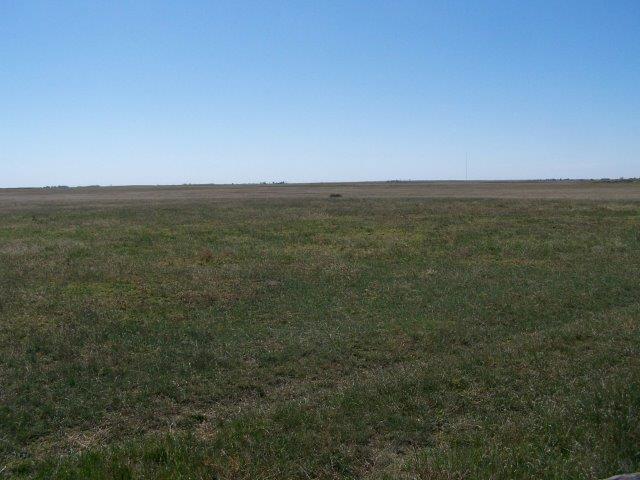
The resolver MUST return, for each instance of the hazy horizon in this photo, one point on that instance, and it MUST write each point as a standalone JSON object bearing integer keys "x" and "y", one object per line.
{"x": 330, "y": 182}
{"x": 167, "y": 93}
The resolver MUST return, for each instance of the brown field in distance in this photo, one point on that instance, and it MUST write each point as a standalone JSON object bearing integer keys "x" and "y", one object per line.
{"x": 575, "y": 190}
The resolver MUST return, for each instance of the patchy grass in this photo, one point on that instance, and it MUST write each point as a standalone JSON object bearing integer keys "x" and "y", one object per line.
{"x": 378, "y": 339}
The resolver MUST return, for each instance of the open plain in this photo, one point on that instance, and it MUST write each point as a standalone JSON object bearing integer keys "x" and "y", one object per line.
{"x": 418, "y": 330}
{"x": 570, "y": 189}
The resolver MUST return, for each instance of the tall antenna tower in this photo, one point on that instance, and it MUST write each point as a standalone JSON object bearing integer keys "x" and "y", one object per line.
{"x": 466, "y": 167}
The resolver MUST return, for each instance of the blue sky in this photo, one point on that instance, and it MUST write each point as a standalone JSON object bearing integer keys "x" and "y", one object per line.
{"x": 149, "y": 92}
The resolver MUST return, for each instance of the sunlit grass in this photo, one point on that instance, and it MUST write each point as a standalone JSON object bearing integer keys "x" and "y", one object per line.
{"x": 335, "y": 338}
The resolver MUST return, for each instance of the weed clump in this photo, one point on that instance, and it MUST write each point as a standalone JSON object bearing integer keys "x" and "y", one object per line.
{"x": 206, "y": 256}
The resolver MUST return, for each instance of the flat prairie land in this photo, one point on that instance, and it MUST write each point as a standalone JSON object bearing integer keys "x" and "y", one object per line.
{"x": 442, "y": 330}
{"x": 575, "y": 190}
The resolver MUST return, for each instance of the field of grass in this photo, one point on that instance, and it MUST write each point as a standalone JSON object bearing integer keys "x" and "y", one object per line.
{"x": 320, "y": 338}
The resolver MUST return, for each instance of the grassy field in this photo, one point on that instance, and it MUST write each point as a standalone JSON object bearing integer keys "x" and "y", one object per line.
{"x": 375, "y": 338}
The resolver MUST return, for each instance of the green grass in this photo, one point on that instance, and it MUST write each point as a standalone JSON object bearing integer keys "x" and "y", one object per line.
{"x": 336, "y": 338}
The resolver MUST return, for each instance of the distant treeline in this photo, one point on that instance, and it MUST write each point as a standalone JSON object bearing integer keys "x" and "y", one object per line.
{"x": 608, "y": 180}
{"x": 541, "y": 180}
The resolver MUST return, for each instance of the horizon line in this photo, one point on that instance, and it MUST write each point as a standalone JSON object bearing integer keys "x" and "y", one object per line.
{"x": 294, "y": 183}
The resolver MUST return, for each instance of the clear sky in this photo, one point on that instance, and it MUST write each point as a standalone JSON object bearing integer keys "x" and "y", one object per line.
{"x": 148, "y": 92}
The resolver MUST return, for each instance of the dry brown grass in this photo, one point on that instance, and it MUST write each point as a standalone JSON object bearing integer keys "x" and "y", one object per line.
{"x": 575, "y": 190}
